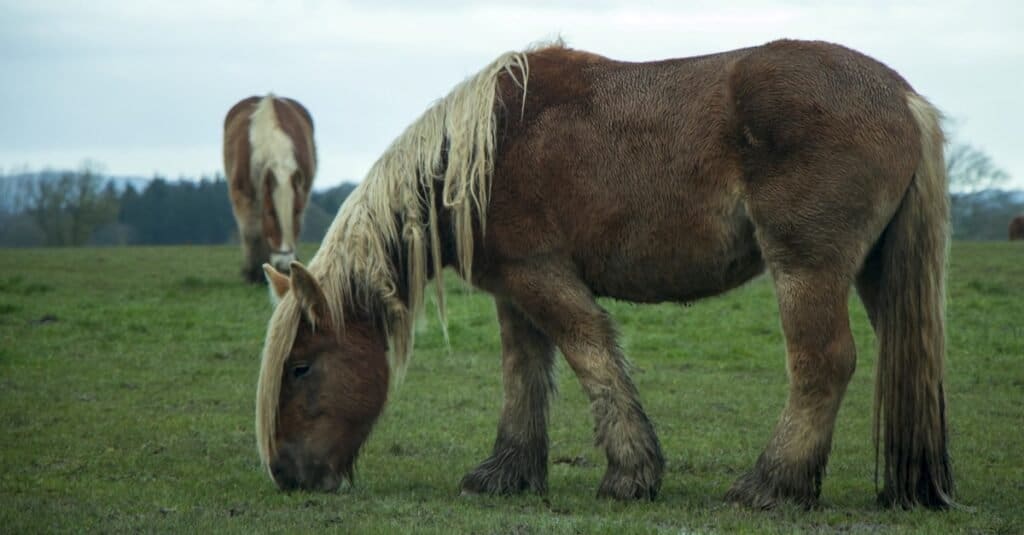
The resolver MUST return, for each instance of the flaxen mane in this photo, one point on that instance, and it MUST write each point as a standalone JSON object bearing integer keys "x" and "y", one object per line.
{"x": 452, "y": 146}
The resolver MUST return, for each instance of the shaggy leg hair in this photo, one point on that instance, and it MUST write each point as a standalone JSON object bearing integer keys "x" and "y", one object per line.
{"x": 635, "y": 461}
{"x": 558, "y": 302}
{"x": 519, "y": 460}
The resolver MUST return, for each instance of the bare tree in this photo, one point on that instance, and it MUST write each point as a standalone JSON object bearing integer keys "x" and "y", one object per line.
{"x": 14, "y": 193}
{"x": 969, "y": 169}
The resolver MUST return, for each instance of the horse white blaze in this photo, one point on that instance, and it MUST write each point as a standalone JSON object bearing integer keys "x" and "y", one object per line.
{"x": 273, "y": 151}
{"x": 284, "y": 203}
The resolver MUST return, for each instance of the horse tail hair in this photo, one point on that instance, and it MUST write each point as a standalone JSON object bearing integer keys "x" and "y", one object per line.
{"x": 910, "y": 405}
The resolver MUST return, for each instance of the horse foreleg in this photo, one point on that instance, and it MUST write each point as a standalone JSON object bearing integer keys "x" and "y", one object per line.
{"x": 821, "y": 360}
{"x": 564, "y": 308}
{"x": 519, "y": 460}
{"x": 255, "y": 252}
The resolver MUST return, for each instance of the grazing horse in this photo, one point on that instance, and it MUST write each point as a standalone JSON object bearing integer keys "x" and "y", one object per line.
{"x": 1017, "y": 228}
{"x": 556, "y": 176}
{"x": 270, "y": 162}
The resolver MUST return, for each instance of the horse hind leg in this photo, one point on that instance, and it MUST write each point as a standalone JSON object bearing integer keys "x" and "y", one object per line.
{"x": 818, "y": 209}
{"x": 519, "y": 458}
{"x": 821, "y": 358}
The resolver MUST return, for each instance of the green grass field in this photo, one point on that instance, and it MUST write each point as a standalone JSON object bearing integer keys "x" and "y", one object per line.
{"x": 127, "y": 380}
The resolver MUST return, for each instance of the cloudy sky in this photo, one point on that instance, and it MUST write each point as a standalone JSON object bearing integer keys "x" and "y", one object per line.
{"x": 142, "y": 86}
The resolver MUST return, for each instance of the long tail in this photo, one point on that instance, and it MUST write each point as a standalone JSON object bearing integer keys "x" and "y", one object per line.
{"x": 910, "y": 405}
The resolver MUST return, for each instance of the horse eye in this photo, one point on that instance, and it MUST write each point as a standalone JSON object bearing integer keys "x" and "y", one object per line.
{"x": 300, "y": 370}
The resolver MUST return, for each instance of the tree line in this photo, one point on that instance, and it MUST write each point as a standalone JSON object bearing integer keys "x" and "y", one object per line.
{"x": 83, "y": 207}
{"x": 72, "y": 208}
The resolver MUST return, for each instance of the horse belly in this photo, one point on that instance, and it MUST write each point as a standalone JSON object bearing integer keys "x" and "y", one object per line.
{"x": 678, "y": 259}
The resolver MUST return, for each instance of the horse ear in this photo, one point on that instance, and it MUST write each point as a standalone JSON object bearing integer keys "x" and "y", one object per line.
{"x": 278, "y": 284}
{"x": 311, "y": 297}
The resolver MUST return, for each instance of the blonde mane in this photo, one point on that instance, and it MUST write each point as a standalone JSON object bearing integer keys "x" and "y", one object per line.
{"x": 451, "y": 147}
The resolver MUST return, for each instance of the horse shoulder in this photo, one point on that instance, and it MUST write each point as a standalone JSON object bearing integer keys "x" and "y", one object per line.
{"x": 237, "y": 149}
{"x": 302, "y": 111}
{"x": 241, "y": 110}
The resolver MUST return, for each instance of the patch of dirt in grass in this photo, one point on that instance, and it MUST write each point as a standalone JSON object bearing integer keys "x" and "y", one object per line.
{"x": 579, "y": 461}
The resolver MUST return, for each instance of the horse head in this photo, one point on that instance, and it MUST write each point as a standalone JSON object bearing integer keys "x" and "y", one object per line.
{"x": 283, "y": 205}
{"x": 322, "y": 386}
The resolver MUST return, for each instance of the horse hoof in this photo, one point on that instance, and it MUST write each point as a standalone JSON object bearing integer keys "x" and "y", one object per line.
{"x": 629, "y": 487}
{"x": 756, "y": 492}
{"x": 474, "y": 484}
{"x": 494, "y": 477}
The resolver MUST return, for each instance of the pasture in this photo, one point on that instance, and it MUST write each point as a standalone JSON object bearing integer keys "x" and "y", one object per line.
{"x": 127, "y": 383}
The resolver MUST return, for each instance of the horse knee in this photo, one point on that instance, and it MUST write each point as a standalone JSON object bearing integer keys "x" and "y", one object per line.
{"x": 842, "y": 355}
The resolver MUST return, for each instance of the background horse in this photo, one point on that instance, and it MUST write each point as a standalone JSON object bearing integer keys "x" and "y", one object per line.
{"x": 557, "y": 176}
{"x": 1016, "y": 229}
{"x": 270, "y": 162}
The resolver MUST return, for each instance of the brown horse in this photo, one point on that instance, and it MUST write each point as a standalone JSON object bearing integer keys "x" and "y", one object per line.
{"x": 555, "y": 176}
{"x": 270, "y": 162}
{"x": 1016, "y": 229}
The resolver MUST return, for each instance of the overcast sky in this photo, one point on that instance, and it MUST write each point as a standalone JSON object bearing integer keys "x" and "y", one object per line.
{"x": 142, "y": 86}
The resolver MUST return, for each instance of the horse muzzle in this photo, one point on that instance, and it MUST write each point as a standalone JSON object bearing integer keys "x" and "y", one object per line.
{"x": 290, "y": 473}
{"x": 281, "y": 260}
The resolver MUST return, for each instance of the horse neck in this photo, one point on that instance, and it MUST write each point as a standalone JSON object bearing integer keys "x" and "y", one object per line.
{"x": 352, "y": 259}
{"x": 400, "y": 255}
